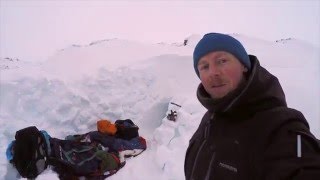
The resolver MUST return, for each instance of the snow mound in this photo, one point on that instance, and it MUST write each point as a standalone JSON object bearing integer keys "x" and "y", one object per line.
{"x": 119, "y": 79}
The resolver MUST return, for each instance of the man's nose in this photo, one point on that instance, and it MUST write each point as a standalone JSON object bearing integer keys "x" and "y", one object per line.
{"x": 214, "y": 70}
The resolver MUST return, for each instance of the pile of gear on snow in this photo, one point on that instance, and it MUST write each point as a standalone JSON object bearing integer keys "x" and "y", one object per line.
{"x": 94, "y": 155}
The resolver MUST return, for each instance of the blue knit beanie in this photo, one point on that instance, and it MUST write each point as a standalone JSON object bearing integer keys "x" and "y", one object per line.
{"x": 219, "y": 42}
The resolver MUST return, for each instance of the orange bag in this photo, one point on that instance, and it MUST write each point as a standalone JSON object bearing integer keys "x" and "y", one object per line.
{"x": 105, "y": 126}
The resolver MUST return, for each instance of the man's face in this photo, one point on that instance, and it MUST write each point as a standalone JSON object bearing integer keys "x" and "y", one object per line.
{"x": 220, "y": 73}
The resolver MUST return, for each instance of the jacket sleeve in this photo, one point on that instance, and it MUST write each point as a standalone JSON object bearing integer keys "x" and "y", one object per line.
{"x": 293, "y": 153}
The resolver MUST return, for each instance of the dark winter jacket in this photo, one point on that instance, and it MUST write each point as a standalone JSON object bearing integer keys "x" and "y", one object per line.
{"x": 252, "y": 134}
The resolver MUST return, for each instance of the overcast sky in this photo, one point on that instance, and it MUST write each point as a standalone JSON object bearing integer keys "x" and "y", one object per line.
{"x": 34, "y": 30}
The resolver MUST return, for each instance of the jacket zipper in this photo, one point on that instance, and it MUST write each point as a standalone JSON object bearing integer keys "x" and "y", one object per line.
{"x": 206, "y": 134}
{"x": 197, "y": 156}
{"x": 211, "y": 159}
{"x": 209, "y": 167}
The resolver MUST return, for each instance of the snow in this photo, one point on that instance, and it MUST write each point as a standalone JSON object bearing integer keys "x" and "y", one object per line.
{"x": 119, "y": 79}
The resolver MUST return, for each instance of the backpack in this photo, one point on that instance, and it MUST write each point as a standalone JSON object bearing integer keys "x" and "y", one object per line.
{"x": 29, "y": 152}
{"x": 72, "y": 159}
{"x": 126, "y": 129}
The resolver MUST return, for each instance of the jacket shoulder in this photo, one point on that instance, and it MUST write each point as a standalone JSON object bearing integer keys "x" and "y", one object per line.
{"x": 271, "y": 120}
{"x": 289, "y": 150}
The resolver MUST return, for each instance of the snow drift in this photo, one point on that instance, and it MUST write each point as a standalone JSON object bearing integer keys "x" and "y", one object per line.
{"x": 117, "y": 79}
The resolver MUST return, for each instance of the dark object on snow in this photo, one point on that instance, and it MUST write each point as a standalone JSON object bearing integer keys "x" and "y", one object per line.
{"x": 72, "y": 159}
{"x": 126, "y": 129}
{"x": 185, "y": 42}
{"x": 175, "y": 104}
{"x": 112, "y": 143}
{"x": 172, "y": 116}
{"x": 29, "y": 152}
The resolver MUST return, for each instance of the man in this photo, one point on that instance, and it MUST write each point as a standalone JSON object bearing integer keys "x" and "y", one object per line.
{"x": 248, "y": 131}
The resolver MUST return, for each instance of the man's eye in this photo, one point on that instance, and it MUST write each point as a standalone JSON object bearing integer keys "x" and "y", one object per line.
{"x": 222, "y": 61}
{"x": 204, "y": 67}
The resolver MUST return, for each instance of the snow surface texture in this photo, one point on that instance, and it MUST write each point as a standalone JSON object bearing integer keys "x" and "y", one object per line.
{"x": 119, "y": 79}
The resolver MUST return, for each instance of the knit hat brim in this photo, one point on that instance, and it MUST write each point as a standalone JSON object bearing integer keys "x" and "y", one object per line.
{"x": 220, "y": 42}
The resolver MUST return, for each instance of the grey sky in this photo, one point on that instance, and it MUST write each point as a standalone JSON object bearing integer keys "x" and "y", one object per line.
{"x": 34, "y": 30}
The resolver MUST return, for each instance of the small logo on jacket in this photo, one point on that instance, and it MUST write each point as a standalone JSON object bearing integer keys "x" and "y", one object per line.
{"x": 230, "y": 168}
